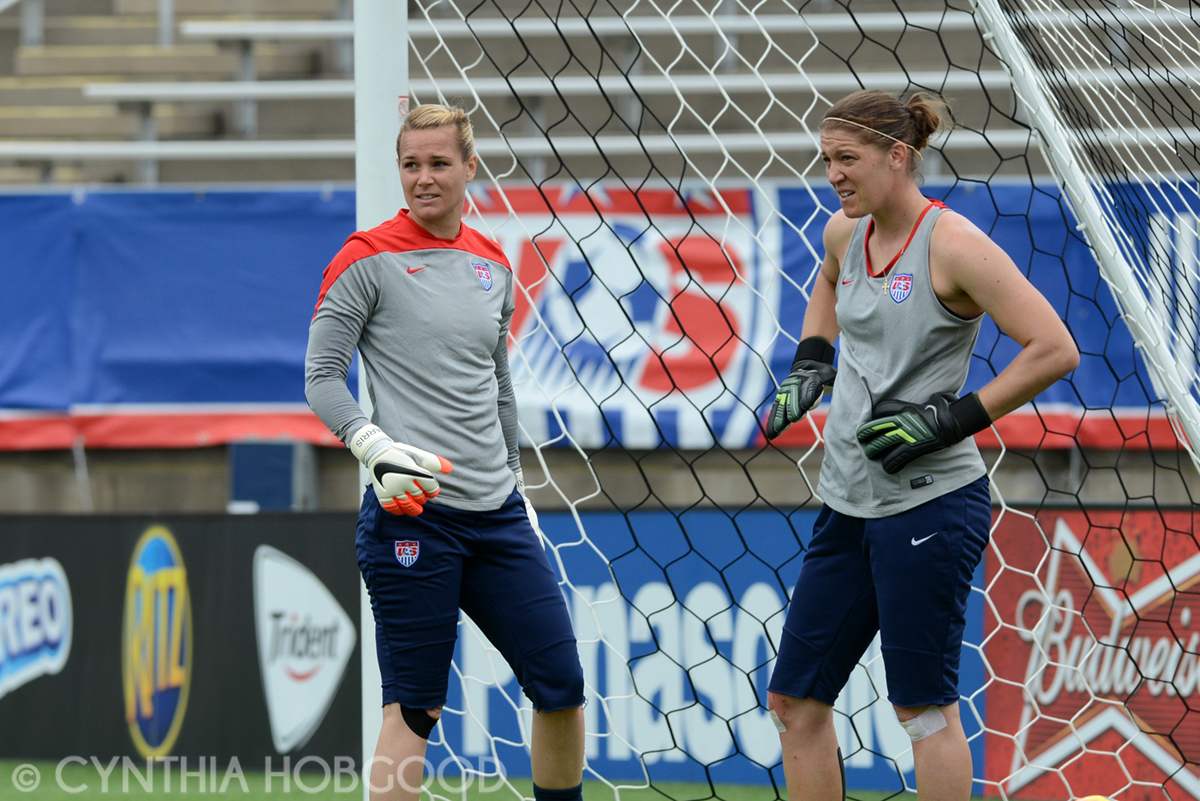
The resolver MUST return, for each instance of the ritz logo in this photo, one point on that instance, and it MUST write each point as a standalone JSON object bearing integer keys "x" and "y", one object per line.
{"x": 36, "y": 621}
{"x": 156, "y": 647}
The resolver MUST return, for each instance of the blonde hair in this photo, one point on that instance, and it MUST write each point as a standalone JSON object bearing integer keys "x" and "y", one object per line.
{"x": 880, "y": 119}
{"x": 433, "y": 115}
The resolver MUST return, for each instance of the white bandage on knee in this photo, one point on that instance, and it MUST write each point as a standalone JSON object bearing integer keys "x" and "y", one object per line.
{"x": 931, "y": 721}
{"x": 778, "y": 723}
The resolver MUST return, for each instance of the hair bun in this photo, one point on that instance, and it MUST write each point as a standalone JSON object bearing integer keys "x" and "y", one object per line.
{"x": 927, "y": 117}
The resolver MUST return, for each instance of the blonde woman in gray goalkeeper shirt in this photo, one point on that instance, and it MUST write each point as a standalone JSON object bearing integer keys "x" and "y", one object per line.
{"x": 444, "y": 525}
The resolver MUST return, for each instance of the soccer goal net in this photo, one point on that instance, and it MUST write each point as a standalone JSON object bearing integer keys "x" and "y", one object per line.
{"x": 651, "y": 171}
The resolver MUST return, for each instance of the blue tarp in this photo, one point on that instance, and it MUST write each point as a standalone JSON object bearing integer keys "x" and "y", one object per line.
{"x": 161, "y": 297}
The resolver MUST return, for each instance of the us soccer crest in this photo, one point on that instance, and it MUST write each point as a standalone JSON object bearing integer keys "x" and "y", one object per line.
{"x": 901, "y": 286}
{"x": 485, "y": 275}
{"x": 407, "y": 552}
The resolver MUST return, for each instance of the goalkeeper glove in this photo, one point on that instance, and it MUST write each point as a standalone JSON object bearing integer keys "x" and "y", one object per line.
{"x": 812, "y": 372}
{"x": 901, "y": 431}
{"x": 529, "y": 510}
{"x": 404, "y": 477}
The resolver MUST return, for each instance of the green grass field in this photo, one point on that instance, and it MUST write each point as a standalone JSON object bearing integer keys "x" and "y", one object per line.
{"x": 85, "y": 782}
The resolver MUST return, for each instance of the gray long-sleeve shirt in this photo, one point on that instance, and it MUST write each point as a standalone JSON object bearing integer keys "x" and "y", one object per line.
{"x": 430, "y": 319}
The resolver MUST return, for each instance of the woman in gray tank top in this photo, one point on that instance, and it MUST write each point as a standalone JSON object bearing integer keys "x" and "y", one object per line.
{"x": 905, "y": 283}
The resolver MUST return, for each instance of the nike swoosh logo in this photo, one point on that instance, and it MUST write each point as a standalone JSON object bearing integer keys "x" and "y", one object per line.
{"x": 851, "y": 281}
{"x": 412, "y": 270}
{"x": 916, "y": 541}
{"x": 383, "y": 468}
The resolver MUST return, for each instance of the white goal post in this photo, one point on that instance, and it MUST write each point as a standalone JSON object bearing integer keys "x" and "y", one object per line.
{"x": 1082, "y": 185}
{"x": 380, "y": 103}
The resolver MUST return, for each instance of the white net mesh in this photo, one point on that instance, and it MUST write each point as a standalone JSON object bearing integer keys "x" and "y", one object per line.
{"x": 650, "y": 169}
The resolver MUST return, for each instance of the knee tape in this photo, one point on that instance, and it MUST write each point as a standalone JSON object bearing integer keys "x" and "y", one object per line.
{"x": 931, "y": 721}
{"x": 420, "y": 721}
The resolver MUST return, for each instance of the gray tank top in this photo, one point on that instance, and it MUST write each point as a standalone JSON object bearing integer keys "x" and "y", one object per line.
{"x": 897, "y": 341}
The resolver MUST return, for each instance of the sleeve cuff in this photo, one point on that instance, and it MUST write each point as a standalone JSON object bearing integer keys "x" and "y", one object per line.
{"x": 815, "y": 349}
{"x": 970, "y": 415}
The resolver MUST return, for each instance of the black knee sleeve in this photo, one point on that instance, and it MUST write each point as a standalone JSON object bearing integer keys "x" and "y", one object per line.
{"x": 842, "y": 769}
{"x": 419, "y": 720}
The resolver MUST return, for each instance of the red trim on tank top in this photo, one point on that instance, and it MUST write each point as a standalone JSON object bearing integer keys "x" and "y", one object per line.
{"x": 871, "y": 226}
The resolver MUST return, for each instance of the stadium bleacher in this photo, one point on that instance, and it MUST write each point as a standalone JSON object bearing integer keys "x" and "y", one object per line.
{"x": 43, "y": 78}
{"x": 215, "y": 42}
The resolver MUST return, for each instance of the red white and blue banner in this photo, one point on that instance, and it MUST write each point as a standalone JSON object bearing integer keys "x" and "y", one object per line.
{"x": 645, "y": 316}
{"x": 180, "y": 319}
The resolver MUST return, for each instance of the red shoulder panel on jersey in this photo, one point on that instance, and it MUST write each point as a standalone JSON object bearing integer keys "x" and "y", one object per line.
{"x": 356, "y": 247}
{"x": 475, "y": 242}
{"x": 401, "y": 234}
{"x": 394, "y": 236}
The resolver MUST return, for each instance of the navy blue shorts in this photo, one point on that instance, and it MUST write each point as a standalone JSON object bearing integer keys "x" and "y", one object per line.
{"x": 907, "y": 577}
{"x": 421, "y": 570}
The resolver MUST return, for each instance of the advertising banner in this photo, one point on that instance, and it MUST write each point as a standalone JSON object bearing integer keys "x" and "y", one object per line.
{"x": 677, "y": 660}
{"x": 229, "y": 636}
{"x": 202, "y": 635}
{"x": 1093, "y": 643}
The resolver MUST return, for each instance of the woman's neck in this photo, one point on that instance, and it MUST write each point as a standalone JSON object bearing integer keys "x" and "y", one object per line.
{"x": 449, "y": 230}
{"x": 897, "y": 217}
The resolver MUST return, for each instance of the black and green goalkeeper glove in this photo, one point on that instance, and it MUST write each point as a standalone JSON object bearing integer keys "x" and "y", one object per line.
{"x": 902, "y": 431}
{"x": 812, "y": 371}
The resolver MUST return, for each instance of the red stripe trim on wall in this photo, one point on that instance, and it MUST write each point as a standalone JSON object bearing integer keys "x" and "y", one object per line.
{"x": 1059, "y": 429}
{"x": 162, "y": 428}
{"x": 189, "y": 427}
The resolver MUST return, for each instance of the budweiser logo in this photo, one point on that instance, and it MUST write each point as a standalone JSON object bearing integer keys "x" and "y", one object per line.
{"x": 1091, "y": 641}
{"x": 1111, "y": 666}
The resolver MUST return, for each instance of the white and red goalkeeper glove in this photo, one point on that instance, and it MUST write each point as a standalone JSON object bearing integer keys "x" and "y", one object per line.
{"x": 404, "y": 477}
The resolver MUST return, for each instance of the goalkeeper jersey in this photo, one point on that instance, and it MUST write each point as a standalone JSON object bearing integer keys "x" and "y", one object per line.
{"x": 430, "y": 319}
{"x": 897, "y": 342}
